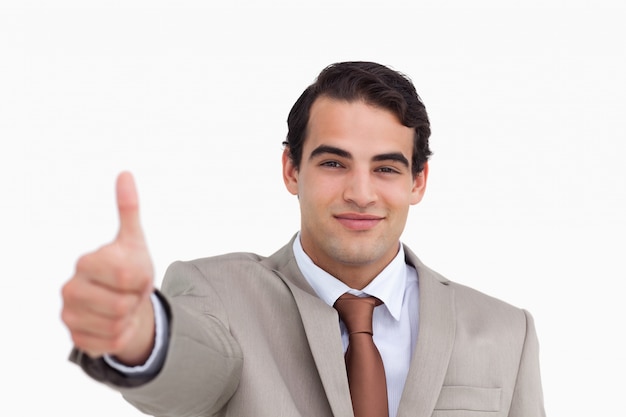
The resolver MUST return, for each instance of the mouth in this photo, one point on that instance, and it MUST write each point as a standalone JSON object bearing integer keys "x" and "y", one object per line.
{"x": 358, "y": 221}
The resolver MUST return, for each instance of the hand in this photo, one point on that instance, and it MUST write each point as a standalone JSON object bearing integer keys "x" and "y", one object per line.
{"x": 106, "y": 304}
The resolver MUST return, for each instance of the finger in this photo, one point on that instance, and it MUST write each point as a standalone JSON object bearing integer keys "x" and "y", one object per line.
{"x": 88, "y": 298}
{"x": 116, "y": 268}
{"x": 96, "y": 345}
{"x": 128, "y": 207}
{"x": 93, "y": 332}
{"x": 98, "y": 335}
{"x": 80, "y": 321}
{"x": 101, "y": 319}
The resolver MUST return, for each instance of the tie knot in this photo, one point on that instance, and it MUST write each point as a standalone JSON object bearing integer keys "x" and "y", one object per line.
{"x": 356, "y": 312}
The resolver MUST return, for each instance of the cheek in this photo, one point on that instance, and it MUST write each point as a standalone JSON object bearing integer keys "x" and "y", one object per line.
{"x": 311, "y": 201}
{"x": 397, "y": 197}
{"x": 316, "y": 203}
{"x": 320, "y": 190}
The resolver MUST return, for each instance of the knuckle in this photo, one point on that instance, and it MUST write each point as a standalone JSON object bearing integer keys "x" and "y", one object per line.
{"x": 78, "y": 341}
{"x": 120, "y": 307}
{"x": 84, "y": 263}
{"x": 67, "y": 291}
{"x": 67, "y": 317}
{"x": 86, "y": 343}
{"x": 123, "y": 277}
{"x": 70, "y": 291}
{"x": 104, "y": 327}
{"x": 116, "y": 343}
{"x": 73, "y": 292}
{"x": 116, "y": 328}
{"x": 108, "y": 328}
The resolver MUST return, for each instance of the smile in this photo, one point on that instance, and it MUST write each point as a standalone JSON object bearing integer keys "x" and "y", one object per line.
{"x": 357, "y": 221}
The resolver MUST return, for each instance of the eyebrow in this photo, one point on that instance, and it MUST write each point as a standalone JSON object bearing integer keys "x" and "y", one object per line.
{"x": 391, "y": 156}
{"x": 322, "y": 149}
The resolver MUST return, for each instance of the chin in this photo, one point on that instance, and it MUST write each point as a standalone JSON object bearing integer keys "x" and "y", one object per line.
{"x": 357, "y": 254}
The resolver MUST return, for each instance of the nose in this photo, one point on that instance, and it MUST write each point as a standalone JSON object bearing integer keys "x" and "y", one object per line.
{"x": 359, "y": 189}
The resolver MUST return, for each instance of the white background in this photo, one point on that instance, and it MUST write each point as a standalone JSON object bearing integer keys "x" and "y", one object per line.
{"x": 526, "y": 197}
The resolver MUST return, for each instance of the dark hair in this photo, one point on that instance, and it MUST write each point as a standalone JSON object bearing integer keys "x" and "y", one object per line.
{"x": 376, "y": 85}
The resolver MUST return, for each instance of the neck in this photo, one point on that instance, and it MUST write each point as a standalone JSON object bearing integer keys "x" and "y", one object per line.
{"x": 356, "y": 276}
{"x": 354, "y": 260}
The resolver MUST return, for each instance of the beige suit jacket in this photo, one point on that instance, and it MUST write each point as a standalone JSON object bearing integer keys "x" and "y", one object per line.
{"x": 249, "y": 337}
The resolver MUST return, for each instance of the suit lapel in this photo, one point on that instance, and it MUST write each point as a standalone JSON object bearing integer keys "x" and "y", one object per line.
{"x": 435, "y": 341}
{"x": 321, "y": 325}
{"x": 433, "y": 349}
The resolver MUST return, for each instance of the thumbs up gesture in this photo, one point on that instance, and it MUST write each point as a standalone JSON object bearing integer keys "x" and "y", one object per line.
{"x": 106, "y": 303}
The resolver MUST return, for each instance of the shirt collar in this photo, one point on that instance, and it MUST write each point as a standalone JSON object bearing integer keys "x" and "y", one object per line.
{"x": 388, "y": 286}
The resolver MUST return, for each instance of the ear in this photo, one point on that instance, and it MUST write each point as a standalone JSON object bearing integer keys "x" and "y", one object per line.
{"x": 419, "y": 185}
{"x": 290, "y": 173}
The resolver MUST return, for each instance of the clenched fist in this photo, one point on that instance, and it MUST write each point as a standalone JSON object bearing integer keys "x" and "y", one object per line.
{"x": 106, "y": 304}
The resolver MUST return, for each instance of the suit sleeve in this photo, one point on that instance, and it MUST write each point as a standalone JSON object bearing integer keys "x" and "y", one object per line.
{"x": 528, "y": 393}
{"x": 203, "y": 362}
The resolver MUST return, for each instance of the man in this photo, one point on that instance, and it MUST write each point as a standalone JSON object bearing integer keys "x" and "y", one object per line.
{"x": 244, "y": 335}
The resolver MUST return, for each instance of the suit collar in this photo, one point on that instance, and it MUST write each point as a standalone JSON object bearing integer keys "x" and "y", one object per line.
{"x": 321, "y": 325}
{"x": 388, "y": 286}
{"x": 435, "y": 341}
{"x": 433, "y": 349}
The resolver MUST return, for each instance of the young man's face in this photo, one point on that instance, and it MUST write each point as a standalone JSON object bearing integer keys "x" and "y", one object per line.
{"x": 354, "y": 186}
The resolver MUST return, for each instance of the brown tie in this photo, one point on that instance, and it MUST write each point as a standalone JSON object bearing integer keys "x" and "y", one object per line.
{"x": 366, "y": 373}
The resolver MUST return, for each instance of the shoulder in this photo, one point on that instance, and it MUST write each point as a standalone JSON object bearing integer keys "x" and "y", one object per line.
{"x": 237, "y": 260}
{"x": 228, "y": 260}
{"x": 227, "y": 266}
{"x": 228, "y": 272}
{"x": 475, "y": 306}
{"x": 471, "y": 305}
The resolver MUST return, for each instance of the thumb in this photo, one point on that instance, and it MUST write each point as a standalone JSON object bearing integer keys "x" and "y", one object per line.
{"x": 128, "y": 207}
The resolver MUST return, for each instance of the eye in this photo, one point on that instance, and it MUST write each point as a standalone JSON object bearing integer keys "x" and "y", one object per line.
{"x": 331, "y": 164}
{"x": 387, "y": 170}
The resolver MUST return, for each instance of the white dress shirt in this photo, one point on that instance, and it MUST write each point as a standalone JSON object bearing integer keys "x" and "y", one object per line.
{"x": 395, "y": 323}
